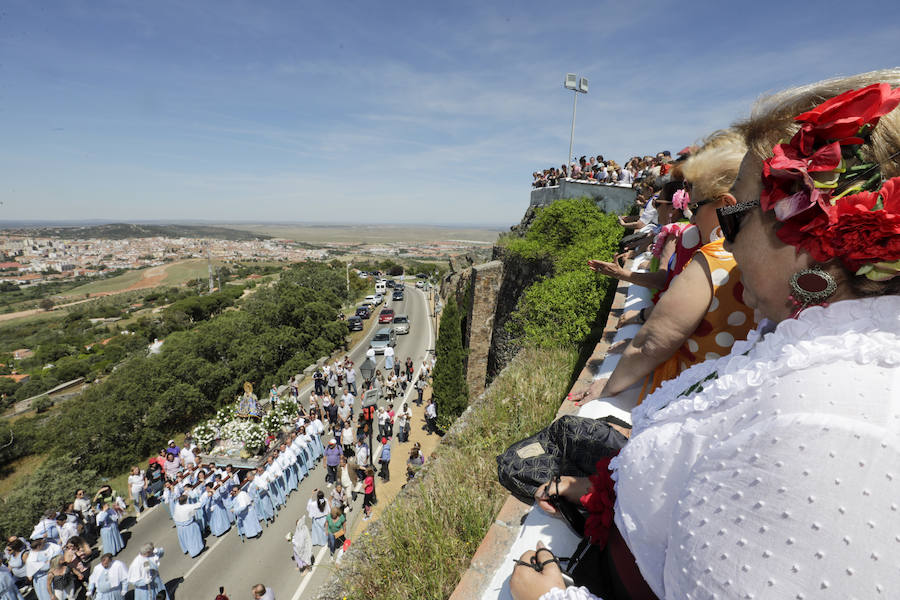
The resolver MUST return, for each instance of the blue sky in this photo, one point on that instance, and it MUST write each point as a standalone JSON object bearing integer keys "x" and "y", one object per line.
{"x": 388, "y": 112}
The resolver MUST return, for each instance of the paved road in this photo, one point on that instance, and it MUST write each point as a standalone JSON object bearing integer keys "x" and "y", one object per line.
{"x": 237, "y": 566}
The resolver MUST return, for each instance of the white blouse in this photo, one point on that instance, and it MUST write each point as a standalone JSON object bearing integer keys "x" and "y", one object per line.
{"x": 780, "y": 478}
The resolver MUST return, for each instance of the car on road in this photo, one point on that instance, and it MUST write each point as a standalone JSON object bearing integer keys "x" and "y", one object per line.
{"x": 363, "y": 312}
{"x": 378, "y": 299}
{"x": 381, "y": 287}
{"x": 390, "y": 283}
{"x": 386, "y": 315}
{"x": 384, "y": 337}
{"x": 370, "y": 299}
{"x": 421, "y": 275}
{"x": 354, "y": 322}
{"x": 397, "y": 295}
{"x": 401, "y": 324}
{"x": 420, "y": 285}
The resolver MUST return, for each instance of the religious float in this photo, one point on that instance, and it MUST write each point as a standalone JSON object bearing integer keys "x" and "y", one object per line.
{"x": 241, "y": 434}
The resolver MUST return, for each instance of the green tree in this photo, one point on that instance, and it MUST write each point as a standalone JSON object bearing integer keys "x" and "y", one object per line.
{"x": 52, "y": 485}
{"x": 46, "y": 304}
{"x": 449, "y": 388}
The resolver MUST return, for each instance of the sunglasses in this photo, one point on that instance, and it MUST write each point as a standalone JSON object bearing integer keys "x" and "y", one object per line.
{"x": 695, "y": 205}
{"x": 730, "y": 218}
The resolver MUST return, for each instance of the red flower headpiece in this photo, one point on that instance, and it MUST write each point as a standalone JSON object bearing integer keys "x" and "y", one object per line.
{"x": 860, "y": 226}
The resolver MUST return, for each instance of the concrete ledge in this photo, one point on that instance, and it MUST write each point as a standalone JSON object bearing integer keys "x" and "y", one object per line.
{"x": 609, "y": 198}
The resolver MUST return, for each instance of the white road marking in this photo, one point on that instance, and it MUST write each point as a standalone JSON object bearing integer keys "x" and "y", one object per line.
{"x": 308, "y": 577}
{"x": 202, "y": 558}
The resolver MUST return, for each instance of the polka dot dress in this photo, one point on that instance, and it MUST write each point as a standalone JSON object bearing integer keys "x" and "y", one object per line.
{"x": 727, "y": 319}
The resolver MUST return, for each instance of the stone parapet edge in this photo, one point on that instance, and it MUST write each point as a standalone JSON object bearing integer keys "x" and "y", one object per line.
{"x": 506, "y": 526}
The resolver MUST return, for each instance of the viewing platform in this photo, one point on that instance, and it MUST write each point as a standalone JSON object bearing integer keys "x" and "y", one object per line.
{"x": 609, "y": 198}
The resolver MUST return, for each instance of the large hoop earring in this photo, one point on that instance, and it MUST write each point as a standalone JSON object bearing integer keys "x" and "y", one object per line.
{"x": 811, "y": 287}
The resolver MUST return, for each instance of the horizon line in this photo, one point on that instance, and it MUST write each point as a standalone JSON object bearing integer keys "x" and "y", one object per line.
{"x": 12, "y": 223}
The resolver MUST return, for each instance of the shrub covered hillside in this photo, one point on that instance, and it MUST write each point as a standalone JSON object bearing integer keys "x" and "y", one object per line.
{"x": 562, "y": 308}
{"x": 278, "y": 331}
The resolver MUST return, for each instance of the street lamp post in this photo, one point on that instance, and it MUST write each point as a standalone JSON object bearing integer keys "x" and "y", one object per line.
{"x": 348, "y": 281}
{"x": 580, "y": 87}
{"x": 369, "y": 400}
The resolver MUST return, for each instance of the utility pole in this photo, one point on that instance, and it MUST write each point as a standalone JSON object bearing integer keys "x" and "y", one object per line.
{"x": 209, "y": 267}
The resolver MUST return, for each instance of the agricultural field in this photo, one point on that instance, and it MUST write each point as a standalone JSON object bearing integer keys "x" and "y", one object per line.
{"x": 169, "y": 274}
{"x": 367, "y": 234}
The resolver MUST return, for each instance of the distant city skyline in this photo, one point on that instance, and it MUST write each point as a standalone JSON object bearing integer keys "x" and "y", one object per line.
{"x": 402, "y": 113}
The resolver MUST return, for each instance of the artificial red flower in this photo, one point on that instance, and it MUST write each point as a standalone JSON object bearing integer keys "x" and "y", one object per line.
{"x": 600, "y": 503}
{"x": 843, "y": 115}
{"x": 860, "y": 229}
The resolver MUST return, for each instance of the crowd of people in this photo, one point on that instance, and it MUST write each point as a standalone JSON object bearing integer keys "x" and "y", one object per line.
{"x": 596, "y": 169}
{"x": 763, "y": 377}
{"x": 204, "y": 499}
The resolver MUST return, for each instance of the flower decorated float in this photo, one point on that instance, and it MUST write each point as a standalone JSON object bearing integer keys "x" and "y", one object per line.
{"x": 242, "y": 433}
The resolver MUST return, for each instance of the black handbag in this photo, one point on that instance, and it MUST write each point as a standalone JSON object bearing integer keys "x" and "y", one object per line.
{"x": 569, "y": 446}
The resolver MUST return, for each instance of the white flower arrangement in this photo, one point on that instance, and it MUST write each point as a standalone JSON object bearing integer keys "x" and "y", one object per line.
{"x": 271, "y": 422}
{"x": 251, "y": 434}
{"x": 205, "y": 434}
{"x": 224, "y": 415}
{"x": 287, "y": 411}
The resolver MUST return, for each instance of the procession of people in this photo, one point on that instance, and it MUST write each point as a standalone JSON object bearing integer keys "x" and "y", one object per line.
{"x": 206, "y": 499}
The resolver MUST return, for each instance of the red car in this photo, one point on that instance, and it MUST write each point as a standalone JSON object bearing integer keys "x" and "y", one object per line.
{"x": 386, "y": 315}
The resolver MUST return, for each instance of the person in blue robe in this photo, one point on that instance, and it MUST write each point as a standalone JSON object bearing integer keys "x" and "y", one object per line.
{"x": 111, "y": 539}
{"x": 302, "y": 458}
{"x": 8, "y": 589}
{"x": 318, "y": 509}
{"x": 260, "y": 493}
{"x": 189, "y": 536}
{"x": 143, "y": 574}
{"x": 218, "y": 514}
{"x": 245, "y": 514}
{"x": 109, "y": 580}
{"x": 37, "y": 565}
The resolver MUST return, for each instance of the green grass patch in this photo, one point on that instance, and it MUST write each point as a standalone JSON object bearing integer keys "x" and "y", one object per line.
{"x": 35, "y": 319}
{"x": 175, "y": 273}
{"x": 19, "y": 470}
{"x": 425, "y": 540}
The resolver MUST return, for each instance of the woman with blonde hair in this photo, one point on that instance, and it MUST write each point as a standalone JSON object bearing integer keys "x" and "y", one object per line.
{"x": 771, "y": 472}
{"x": 700, "y": 315}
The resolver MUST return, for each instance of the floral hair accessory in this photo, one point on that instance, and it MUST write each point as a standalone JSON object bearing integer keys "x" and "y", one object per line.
{"x": 860, "y": 225}
{"x": 681, "y": 199}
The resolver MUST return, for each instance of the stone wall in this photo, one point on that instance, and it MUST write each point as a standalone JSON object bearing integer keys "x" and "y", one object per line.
{"x": 485, "y": 288}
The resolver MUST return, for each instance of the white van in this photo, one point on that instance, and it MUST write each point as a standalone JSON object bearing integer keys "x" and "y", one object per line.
{"x": 381, "y": 287}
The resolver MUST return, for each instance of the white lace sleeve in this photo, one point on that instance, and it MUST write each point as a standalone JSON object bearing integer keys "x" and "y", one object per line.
{"x": 570, "y": 593}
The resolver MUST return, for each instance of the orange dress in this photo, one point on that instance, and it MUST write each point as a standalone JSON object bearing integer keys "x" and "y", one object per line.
{"x": 728, "y": 319}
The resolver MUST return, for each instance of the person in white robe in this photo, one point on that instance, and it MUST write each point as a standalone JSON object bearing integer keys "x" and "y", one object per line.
{"x": 143, "y": 573}
{"x": 66, "y": 528}
{"x": 108, "y": 522}
{"x": 8, "y": 589}
{"x": 46, "y": 528}
{"x": 318, "y": 509}
{"x": 218, "y": 514}
{"x": 189, "y": 536}
{"x": 259, "y": 485}
{"x": 245, "y": 514}
{"x": 109, "y": 579}
{"x": 276, "y": 482}
{"x": 37, "y": 565}
{"x": 301, "y": 542}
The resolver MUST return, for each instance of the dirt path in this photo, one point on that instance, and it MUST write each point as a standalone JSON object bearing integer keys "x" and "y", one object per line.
{"x": 386, "y": 492}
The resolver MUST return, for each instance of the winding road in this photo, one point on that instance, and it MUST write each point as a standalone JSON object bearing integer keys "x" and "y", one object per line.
{"x": 237, "y": 565}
